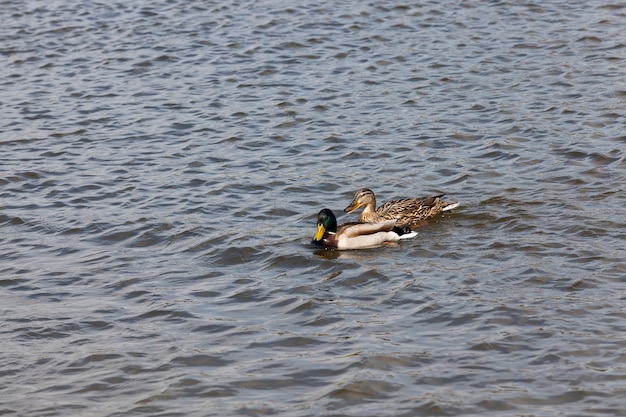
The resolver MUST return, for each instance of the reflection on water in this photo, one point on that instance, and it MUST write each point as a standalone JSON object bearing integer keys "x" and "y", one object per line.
{"x": 163, "y": 164}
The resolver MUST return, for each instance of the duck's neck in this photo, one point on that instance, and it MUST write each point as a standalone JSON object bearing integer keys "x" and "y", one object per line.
{"x": 369, "y": 209}
{"x": 369, "y": 214}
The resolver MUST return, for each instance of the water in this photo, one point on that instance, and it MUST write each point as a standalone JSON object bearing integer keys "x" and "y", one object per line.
{"x": 162, "y": 164}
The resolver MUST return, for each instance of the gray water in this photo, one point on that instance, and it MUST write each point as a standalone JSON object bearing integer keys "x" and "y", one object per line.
{"x": 162, "y": 164}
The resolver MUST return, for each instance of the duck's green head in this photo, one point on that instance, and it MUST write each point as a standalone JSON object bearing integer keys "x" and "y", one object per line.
{"x": 326, "y": 222}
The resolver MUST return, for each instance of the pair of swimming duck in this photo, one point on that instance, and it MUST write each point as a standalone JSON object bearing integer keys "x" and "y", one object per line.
{"x": 390, "y": 222}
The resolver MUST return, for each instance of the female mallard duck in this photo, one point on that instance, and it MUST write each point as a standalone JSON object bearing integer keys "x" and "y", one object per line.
{"x": 356, "y": 235}
{"x": 407, "y": 212}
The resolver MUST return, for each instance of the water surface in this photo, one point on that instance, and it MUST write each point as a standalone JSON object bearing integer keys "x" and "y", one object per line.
{"x": 162, "y": 165}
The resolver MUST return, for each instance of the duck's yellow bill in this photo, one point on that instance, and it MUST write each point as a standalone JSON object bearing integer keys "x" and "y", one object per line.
{"x": 320, "y": 233}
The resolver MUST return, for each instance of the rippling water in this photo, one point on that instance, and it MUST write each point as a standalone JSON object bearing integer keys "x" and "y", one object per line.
{"x": 163, "y": 162}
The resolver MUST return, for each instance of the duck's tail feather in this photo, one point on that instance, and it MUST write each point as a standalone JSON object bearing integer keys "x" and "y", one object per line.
{"x": 451, "y": 206}
{"x": 408, "y": 235}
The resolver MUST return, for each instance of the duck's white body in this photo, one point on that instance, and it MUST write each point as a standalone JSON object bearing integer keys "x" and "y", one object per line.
{"x": 355, "y": 235}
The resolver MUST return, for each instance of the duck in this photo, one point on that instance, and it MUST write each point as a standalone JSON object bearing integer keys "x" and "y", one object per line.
{"x": 408, "y": 212}
{"x": 356, "y": 235}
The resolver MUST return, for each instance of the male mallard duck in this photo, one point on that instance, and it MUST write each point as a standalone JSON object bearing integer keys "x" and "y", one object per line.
{"x": 356, "y": 235}
{"x": 407, "y": 212}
